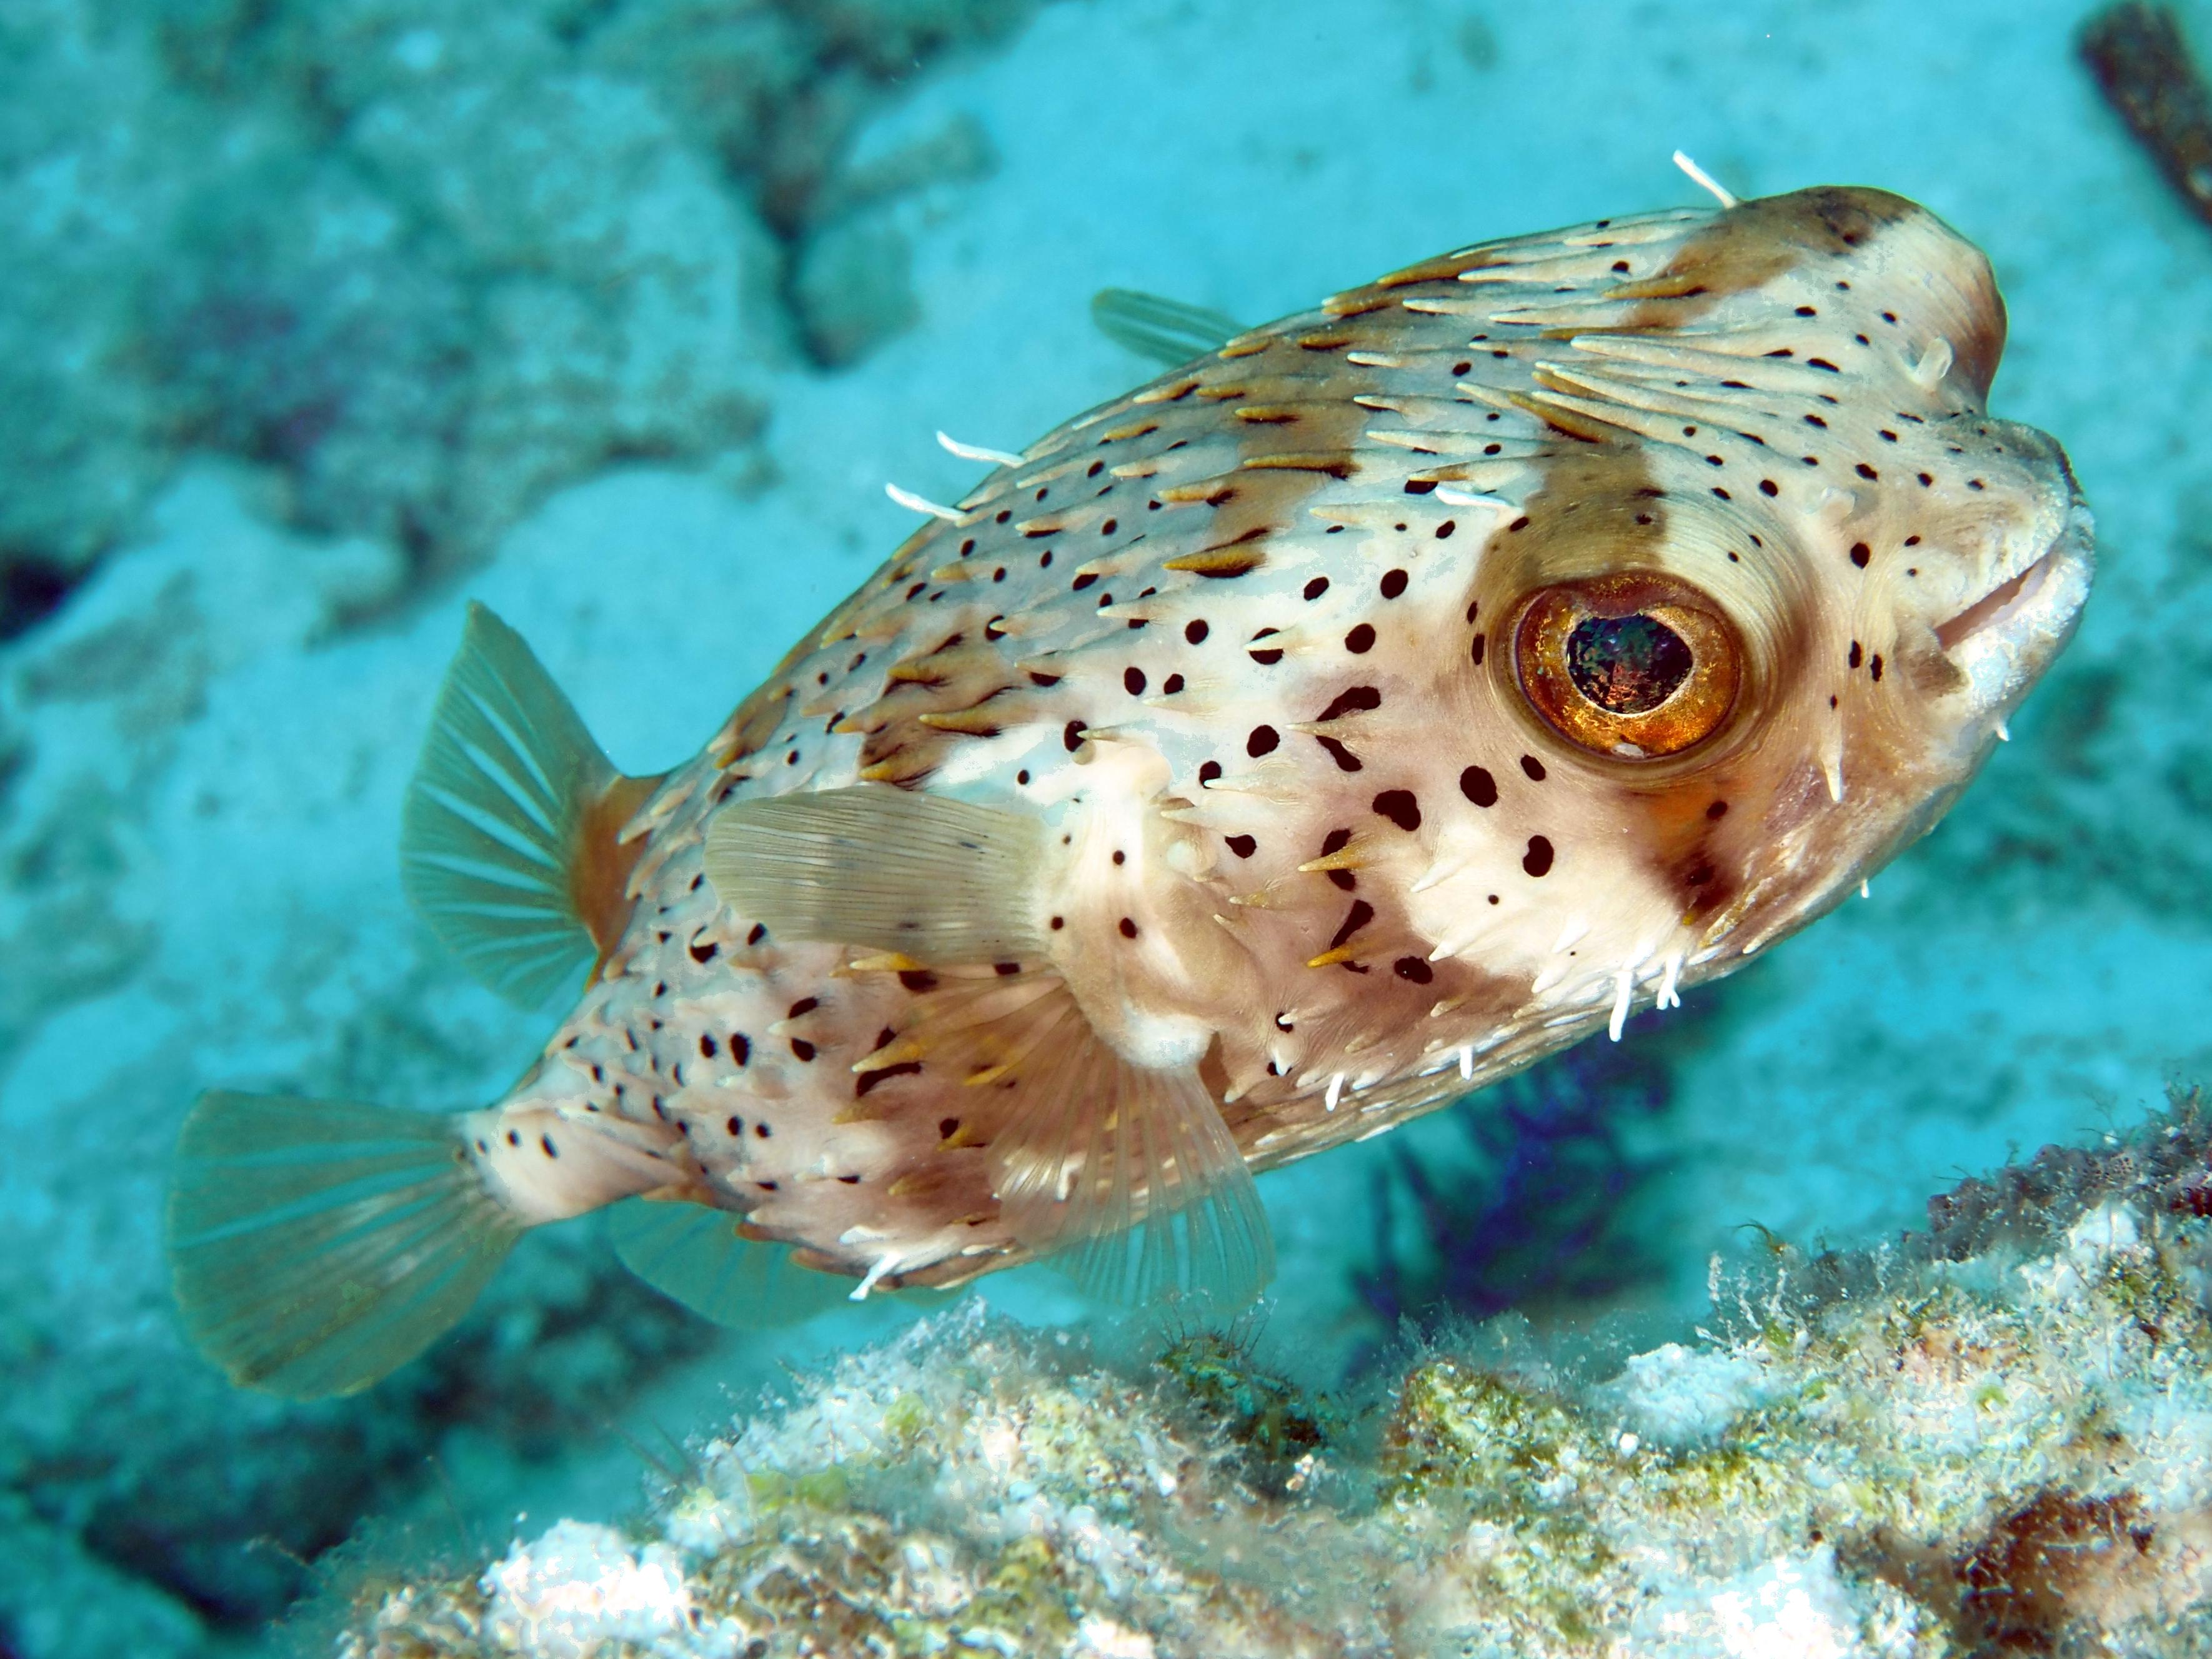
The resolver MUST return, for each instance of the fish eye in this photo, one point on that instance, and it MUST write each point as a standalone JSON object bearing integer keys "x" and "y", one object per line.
{"x": 1638, "y": 664}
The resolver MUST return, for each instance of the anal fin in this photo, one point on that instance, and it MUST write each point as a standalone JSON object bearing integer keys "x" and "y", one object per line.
{"x": 509, "y": 845}
{"x": 695, "y": 1256}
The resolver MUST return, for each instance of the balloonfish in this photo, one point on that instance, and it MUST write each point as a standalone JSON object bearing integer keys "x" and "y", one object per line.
{"x": 1376, "y": 702}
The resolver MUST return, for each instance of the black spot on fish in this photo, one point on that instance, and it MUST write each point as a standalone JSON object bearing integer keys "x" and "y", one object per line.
{"x": 1478, "y": 786}
{"x": 1413, "y": 969}
{"x": 706, "y": 1049}
{"x": 1360, "y": 639}
{"x": 1474, "y": 651}
{"x": 802, "y": 1048}
{"x": 1128, "y": 928}
{"x": 1262, "y": 740}
{"x": 1357, "y": 917}
{"x": 1364, "y": 698}
{"x": 1537, "y": 860}
{"x": 917, "y": 980}
{"x": 868, "y": 1080}
{"x": 1335, "y": 842}
{"x": 706, "y": 952}
{"x": 804, "y": 1006}
{"x": 1242, "y": 846}
{"x": 1394, "y": 582}
{"x": 1534, "y": 768}
{"x": 1316, "y": 588}
{"x": 1133, "y": 681}
{"x": 546, "y": 1141}
{"x": 1071, "y": 736}
{"x": 1207, "y": 771}
{"x": 1196, "y": 630}
{"x": 1401, "y": 807}
{"x": 741, "y": 1047}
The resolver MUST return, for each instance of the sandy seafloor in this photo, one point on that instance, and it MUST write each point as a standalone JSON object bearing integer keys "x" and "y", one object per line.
{"x": 2037, "y": 971}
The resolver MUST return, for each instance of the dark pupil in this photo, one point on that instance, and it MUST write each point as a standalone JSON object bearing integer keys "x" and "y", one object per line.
{"x": 1626, "y": 664}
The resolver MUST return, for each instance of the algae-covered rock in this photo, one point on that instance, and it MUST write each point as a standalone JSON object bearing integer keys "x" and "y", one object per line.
{"x": 1921, "y": 1450}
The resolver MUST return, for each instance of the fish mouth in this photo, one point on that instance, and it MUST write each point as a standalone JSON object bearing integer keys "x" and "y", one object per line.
{"x": 2001, "y": 604}
{"x": 2003, "y": 641}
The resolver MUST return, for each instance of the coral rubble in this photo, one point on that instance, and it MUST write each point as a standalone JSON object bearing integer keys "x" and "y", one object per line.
{"x": 1992, "y": 1438}
{"x": 2142, "y": 64}
{"x": 429, "y": 259}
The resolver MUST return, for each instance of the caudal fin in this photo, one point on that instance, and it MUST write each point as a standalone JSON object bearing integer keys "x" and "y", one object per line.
{"x": 508, "y": 843}
{"x": 317, "y": 1246}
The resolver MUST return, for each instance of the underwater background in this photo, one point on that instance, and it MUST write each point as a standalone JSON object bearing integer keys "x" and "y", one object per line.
{"x": 320, "y": 318}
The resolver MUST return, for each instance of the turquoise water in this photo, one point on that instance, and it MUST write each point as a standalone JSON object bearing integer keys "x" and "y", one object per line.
{"x": 328, "y": 318}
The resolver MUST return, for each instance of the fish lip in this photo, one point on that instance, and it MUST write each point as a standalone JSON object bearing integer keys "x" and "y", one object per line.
{"x": 2004, "y": 641}
{"x": 2002, "y": 604}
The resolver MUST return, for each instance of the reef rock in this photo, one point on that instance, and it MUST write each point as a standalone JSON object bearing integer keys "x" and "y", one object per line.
{"x": 1995, "y": 1436}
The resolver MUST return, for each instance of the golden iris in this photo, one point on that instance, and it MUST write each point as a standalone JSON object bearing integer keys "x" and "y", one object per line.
{"x": 1637, "y": 665}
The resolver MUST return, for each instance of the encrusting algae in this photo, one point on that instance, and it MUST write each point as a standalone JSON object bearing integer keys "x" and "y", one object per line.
{"x": 1994, "y": 1437}
{"x": 1369, "y": 706}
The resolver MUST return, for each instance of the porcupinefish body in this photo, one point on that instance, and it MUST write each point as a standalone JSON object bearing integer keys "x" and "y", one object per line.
{"x": 1348, "y": 718}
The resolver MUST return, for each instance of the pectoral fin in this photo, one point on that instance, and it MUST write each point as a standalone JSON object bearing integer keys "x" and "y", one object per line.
{"x": 941, "y": 881}
{"x": 1128, "y": 1173}
{"x": 1124, "y": 1174}
{"x": 1168, "y": 331}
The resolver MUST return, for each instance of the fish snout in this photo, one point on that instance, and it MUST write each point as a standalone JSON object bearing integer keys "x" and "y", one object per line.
{"x": 2002, "y": 642}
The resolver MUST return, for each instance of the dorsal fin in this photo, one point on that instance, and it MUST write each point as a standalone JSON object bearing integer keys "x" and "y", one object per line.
{"x": 509, "y": 842}
{"x": 1168, "y": 331}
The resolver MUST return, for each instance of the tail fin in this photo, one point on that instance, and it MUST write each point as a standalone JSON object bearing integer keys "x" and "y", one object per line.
{"x": 316, "y": 1246}
{"x": 508, "y": 846}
